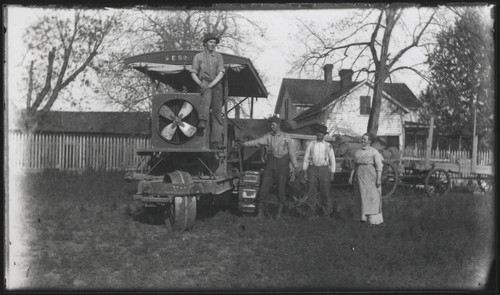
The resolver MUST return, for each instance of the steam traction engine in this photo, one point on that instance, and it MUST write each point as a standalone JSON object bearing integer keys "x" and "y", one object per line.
{"x": 181, "y": 165}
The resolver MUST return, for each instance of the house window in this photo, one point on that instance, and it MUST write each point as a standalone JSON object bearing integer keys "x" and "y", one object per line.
{"x": 364, "y": 105}
{"x": 392, "y": 141}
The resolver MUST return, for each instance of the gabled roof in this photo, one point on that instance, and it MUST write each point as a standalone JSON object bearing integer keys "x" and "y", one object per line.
{"x": 403, "y": 94}
{"x": 119, "y": 123}
{"x": 329, "y": 99}
{"x": 306, "y": 91}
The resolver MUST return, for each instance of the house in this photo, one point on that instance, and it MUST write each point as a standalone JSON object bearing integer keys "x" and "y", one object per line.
{"x": 344, "y": 106}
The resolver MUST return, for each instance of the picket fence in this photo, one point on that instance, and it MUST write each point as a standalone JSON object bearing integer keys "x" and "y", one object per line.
{"x": 451, "y": 156}
{"x": 36, "y": 152}
{"x": 108, "y": 153}
{"x": 459, "y": 157}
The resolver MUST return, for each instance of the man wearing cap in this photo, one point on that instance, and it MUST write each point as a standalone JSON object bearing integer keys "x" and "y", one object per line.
{"x": 319, "y": 158}
{"x": 207, "y": 70}
{"x": 280, "y": 152}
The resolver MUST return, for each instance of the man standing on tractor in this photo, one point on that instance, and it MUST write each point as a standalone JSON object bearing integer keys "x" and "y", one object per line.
{"x": 280, "y": 152}
{"x": 319, "y": 158}
{"x": 207, "y": 71}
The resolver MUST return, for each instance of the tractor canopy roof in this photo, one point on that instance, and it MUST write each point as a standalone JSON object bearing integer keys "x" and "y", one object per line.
{"x": 172, "y": 68}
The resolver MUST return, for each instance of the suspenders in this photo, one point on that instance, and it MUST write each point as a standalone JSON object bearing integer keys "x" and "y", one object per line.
{"x": 312, "y": 150}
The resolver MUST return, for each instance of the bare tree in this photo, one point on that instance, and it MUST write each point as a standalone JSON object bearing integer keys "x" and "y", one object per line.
{"x": 69, "y": 41}
{"x": 154, "y": 30}
{"x": 369, "y": 48}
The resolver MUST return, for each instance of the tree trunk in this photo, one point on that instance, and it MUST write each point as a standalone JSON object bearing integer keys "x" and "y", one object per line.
{"x": 375, "y": 110}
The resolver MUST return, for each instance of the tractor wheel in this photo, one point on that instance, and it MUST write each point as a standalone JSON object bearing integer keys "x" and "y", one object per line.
{"x": 437, "y": 182}
{"x": 180, "y": 215}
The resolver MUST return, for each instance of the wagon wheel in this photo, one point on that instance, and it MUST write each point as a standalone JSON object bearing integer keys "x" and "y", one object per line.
{"x": 437, "y": 182}
{"x": 485, "y": 184}
{"x": 389, "y": 179}
{"x": 180, "y": 214}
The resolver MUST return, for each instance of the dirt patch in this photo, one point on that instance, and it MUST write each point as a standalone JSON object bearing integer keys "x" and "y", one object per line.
{"x": 77, "y": 235}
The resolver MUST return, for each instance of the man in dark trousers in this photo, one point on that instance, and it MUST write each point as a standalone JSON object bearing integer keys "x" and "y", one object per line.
{"x": 319, "y": 167}
{"x": 280, "y": 152}
{"x": 207, "y": 71}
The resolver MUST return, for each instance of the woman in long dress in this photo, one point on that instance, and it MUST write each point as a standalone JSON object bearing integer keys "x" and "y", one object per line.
{"x": 367, "y": 179}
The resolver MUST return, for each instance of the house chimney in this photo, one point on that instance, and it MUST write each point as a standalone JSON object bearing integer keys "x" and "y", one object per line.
{"x": 345, "y": 78}
{"x": 328, "y": 72}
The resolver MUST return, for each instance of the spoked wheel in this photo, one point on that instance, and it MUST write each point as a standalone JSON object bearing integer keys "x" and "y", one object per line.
{"x": 437, "y": 182}
{"x": 305, "y": 206}
{"x": 180, "y": 214}
{"x": 485, "y": 184}
{"x": 389, "y": 179}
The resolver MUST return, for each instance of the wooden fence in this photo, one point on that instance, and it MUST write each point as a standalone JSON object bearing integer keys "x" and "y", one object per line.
{"x": 100, "y": 152}
{"x": 73, "y": 152}
{"x": 452, "y": 156}
{"x": 459, "y": 157}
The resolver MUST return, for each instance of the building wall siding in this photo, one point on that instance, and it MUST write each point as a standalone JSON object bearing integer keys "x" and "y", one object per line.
{"x": 344, "y": 116}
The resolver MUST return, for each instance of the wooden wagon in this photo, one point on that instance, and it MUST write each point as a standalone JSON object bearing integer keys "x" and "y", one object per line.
{"x": 436, "y": 175}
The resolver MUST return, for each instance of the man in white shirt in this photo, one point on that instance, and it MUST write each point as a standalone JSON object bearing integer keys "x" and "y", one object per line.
{"x": 319, "y": 166}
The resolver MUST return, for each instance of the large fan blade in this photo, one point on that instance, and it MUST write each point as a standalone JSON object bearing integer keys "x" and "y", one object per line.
{"x": 168, "y": 132}
{"x": 187, "y": 129}
{"x": 166, "y": 112}
{"x": 185, "y": 110}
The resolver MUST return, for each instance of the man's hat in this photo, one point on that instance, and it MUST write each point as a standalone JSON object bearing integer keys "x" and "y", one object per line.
{"x": 210, "y": 36}
{"x": 275, "y": 119}
{"x": 321, "y": 129}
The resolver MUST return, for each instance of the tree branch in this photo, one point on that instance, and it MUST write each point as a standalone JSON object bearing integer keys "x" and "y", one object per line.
{"x": 411, "y": 69}
{"x": 30, "y": 86}
{"x": 371, "y": 44}
{"x": 413, "y": 44}
{"x": 43, "y": 93}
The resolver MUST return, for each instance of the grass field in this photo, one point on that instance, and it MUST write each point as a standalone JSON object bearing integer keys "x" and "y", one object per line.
{"x": 74, "y": 232}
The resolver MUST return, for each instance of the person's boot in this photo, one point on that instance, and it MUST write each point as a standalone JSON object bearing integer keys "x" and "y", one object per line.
{"x": 202, "y": 124}
{"x": 278, "y": 214}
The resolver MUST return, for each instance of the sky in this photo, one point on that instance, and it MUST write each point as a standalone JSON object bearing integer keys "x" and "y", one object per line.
{"x": 278, "y": 45}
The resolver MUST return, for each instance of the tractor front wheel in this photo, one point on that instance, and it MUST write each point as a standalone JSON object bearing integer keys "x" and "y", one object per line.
{"x": 180, "y": 215}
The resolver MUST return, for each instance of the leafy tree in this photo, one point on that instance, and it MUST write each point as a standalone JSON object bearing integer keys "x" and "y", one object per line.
{"x": 462, "y": 77}
{"x": 367, "y": 43}
{"x": 165, "y": 30}
{"x": 68, "y": 41}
